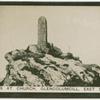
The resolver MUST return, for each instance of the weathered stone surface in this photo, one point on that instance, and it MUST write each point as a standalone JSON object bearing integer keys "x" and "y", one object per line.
{"x": 42, "y": 32}
{"x": 33, "y": 48}
{"x": 15, "y": 55}
{"x": 49, "y": 71}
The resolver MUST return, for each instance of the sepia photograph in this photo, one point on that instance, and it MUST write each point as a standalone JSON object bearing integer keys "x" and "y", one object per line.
{"x": 49, "y": 49}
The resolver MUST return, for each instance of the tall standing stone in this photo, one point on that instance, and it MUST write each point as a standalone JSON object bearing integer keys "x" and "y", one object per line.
{"x": 42, "y": 32}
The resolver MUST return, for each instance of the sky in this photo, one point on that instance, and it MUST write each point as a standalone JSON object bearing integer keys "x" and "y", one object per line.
{"x": 74, "y": 29}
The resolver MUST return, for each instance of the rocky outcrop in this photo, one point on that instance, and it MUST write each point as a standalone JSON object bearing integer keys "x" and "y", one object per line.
{"x": 35, "y": 67}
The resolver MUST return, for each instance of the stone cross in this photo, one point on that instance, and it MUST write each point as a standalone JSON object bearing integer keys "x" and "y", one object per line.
{"x": 42, "y": 32}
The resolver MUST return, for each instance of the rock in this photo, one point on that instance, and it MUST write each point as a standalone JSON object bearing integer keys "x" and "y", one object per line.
{"x": 15, "y": 55}
{"x": 53, "y": 50}
{"x": 42, "y": 33}
{"x": 33, "y": 67}
{"x": 8, "y": 57}
{"x": 33, "y": 48}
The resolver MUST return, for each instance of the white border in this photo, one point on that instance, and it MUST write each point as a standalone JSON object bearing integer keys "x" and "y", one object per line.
{"x": 50, "y": 89}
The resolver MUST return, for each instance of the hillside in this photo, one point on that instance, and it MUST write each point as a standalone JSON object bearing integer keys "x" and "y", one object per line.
{"x": 49, "y": 66}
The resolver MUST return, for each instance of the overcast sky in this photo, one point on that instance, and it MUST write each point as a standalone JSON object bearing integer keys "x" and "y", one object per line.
{"x": 75, "y": 29}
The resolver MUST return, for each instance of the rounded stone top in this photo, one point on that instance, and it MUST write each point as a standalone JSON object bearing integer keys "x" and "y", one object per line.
{"x": 42, "y": 18}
